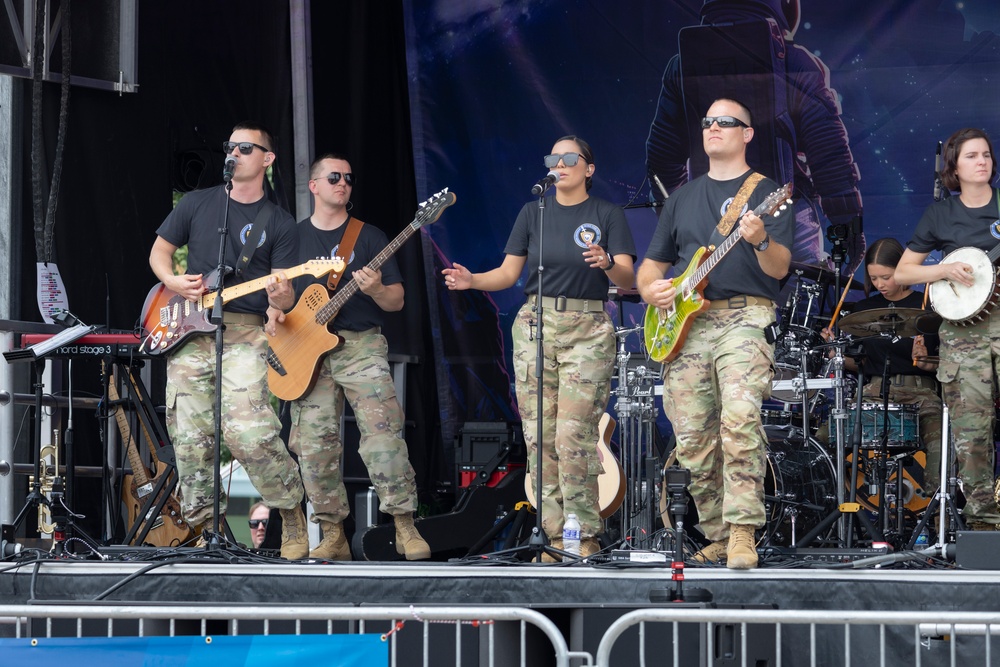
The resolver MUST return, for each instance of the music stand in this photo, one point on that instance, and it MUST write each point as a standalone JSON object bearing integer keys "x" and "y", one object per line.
{"x": 38, "y": 354}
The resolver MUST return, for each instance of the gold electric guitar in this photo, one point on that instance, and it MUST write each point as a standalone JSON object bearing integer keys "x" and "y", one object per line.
{"x": 666, "y": 328}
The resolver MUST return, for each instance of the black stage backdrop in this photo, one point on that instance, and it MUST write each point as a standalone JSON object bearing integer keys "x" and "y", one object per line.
{"x": 202, "y": 68}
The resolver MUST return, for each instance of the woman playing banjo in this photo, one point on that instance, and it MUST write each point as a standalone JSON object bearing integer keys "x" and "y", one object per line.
{"x": 963, "y": 291}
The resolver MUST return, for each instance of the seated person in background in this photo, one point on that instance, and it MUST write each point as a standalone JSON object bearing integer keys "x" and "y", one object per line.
{"x": 259, "y": 514}
{"x": 911, "y": 373}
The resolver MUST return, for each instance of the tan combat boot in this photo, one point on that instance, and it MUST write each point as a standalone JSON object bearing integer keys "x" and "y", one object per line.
{"x": 294, "y": 537}
{"x": 713, "y": 553}
{"x": 408, "y": 540}
{"x": 589, "y": 546}
{"x": 742, "y": 551}
{"x": 334, "y": 544}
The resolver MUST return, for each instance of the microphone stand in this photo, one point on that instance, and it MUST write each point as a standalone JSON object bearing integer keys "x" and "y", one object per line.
{"x": 537, "y": 542}
{"x": 213, "y": 542}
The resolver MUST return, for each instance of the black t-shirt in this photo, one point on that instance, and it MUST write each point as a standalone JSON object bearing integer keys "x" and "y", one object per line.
{"x": 196, "y": 221}
{"x": 565, "y": 234}
{"x": 688, "y": 221}
{"x": 949, "y": 224}
{"x": 360, "y": 312}
{"x": 900, "y": 353}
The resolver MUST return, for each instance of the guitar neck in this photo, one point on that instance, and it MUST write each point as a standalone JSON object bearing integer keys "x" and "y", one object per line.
{"x": 250, "y": 286}
{"x": 706, "y": 267}
{"x": 329, "y": 311}
{"x": 138, "y": 467}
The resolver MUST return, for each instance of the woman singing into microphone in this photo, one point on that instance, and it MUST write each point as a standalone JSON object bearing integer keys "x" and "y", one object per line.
{"x": 587, "y": 244}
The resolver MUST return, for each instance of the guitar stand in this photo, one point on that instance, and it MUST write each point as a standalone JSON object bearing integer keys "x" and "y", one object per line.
{"x": 138, "y": 398}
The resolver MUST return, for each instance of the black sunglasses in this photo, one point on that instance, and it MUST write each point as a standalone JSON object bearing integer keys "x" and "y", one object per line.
{"x": 334, "y": 177}
{"x": 723, "y": 121}
{"x": 254, "y": 523}
{"x": 246, "y": 147}
{"x": 568, "y": 159}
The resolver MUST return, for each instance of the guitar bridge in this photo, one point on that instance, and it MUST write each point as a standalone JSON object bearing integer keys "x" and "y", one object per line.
{"x": 274, "y": 362}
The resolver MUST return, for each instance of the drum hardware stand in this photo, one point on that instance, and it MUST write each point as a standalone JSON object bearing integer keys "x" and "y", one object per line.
{"x": 636, "y": 410}
{"x": 943, "y": 499}
{"x": 847, "y": 505}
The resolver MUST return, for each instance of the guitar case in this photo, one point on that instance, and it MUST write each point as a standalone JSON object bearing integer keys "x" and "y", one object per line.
{"x": 452, "y": 534}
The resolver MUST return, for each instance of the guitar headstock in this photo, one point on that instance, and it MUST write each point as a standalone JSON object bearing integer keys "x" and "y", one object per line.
{"x": 775, "y": 202}
{"x": 323, "y": 265}
{"x": 429, "y": 210}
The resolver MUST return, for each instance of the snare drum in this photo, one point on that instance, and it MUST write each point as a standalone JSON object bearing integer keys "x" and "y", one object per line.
{"x": 903, "y": 425}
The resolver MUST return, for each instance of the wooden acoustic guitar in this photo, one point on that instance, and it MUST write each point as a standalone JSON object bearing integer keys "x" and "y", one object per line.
{"x": 666, "y": 328}
{"x": 301, "y": 341}
{"x": 169, "y": 528}
{"x": 963, "y": 305}
{"x": 611, "y": 481}
{"x": 171, "y": 319}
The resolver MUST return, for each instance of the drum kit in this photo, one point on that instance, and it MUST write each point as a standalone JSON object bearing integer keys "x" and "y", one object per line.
{"x": 825, "y": 446}
{"x": 845, "y": 449}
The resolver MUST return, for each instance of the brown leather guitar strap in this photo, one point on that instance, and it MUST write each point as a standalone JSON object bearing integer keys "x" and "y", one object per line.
{"x": 345, "y": 249}
{"x": 739, "y": 201}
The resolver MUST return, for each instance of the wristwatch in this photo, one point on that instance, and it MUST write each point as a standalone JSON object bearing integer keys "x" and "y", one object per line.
{"x": 762, "y": 246}
{"x": 611, "y": 261}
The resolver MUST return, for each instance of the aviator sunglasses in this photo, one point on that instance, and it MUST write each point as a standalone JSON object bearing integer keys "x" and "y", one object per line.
{"x": 334, "y": 177}
{"x": 246, "y": 147}
{"x": 723, "y": 121}
{"x": 568, "y": 159}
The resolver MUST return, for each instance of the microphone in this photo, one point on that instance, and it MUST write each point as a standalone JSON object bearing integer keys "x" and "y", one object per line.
{"x": 541, "y": 186}
{"x": 659, "y": 184}
{"x": 229, "y": 168}
{"x": 939, "y": 191}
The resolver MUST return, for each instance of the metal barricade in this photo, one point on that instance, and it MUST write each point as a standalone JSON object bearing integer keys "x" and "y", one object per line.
{"x": 821, "y": 638}
{"x": 495, "y": 648}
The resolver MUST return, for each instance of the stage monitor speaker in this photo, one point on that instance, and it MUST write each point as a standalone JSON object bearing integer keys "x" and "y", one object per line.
{"x": 977, "y": 550}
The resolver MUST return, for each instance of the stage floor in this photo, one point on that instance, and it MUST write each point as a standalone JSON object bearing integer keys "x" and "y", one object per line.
{"x": 581, "y": 598}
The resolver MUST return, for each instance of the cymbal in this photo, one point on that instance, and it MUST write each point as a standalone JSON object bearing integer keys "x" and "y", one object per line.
{"x": 821, "y": 274}
{"x": 897, "y": 321}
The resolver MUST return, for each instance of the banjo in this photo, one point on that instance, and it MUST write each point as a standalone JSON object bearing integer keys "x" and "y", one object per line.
{"x": 963, "y": 305}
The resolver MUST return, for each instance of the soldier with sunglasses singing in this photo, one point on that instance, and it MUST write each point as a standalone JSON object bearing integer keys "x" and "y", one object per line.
{"x": 250, "y": 426}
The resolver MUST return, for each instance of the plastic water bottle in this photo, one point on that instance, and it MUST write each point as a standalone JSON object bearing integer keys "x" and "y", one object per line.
{"x": 571, "y": 535}
{"x": 923, "y": 539}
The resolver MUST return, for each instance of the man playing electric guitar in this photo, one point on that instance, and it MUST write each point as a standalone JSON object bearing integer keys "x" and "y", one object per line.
{"x": 358, "y": 369}
{"x": 714, "y": 386}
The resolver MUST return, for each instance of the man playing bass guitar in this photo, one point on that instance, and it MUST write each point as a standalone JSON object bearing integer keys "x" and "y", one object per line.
{"x": 716, "y": 382}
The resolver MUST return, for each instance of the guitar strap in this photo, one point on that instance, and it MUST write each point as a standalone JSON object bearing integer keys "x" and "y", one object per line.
{"x": 345, "y": 249}
{"x": 739, "y": 201}
{"x": 253, "y": 238}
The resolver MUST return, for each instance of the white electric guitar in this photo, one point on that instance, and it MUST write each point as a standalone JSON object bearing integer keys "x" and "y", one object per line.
{"x": 963, "y": 305}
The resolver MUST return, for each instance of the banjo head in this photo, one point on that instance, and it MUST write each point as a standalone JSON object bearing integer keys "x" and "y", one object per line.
{"x": 958, "y": 303}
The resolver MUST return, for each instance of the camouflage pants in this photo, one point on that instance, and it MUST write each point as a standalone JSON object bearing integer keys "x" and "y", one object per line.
{"x": 358, "y": 370}
{"x": 249, "y": 426}
{"x": 579, "y": 355}
{"x": 929, "y": 414}
{"x": 712, "y": 395}
{"x": 966, "y": 372}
